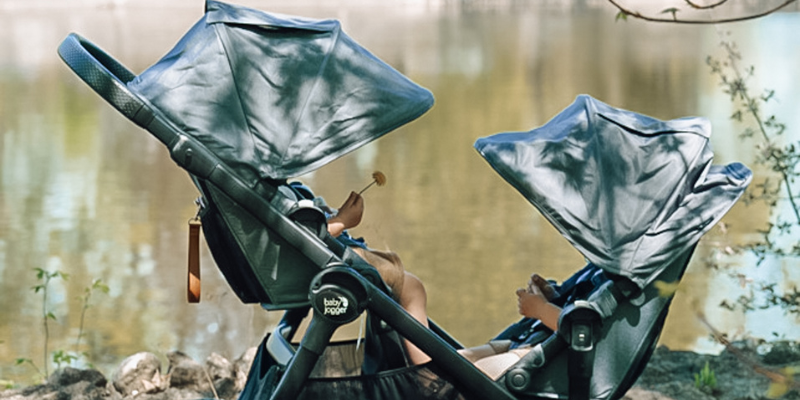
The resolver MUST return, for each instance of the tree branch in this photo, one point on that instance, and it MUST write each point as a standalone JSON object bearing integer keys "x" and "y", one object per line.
{"x": 676, "y": 20}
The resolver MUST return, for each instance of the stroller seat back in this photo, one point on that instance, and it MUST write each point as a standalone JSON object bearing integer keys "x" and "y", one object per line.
{"x": 258, "y": 262}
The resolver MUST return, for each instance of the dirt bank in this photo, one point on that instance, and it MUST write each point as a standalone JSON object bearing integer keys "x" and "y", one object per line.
{"x": 740, "y": 373}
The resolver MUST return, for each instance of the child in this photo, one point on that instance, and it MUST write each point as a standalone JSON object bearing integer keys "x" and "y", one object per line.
{"x": 407, "y": 289}
{"x": 495, "y": 357}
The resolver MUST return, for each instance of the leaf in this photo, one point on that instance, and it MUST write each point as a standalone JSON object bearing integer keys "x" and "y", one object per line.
{"x": 671, "y": 10}
{"x": 622, "y": 15}
{"x": 666, "y": 289}
{"x": 776, "y": 390}
{"x": 52, "y": 316}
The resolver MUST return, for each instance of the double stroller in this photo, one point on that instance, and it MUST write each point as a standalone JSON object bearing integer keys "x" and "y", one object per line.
{"x": 247, "y": 100}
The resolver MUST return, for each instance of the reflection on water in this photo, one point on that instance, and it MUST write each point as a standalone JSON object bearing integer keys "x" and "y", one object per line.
{"x": 84, "y": 191}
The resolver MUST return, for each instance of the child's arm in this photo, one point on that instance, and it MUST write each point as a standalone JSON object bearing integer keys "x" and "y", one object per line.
{"x": 532, "y": 303}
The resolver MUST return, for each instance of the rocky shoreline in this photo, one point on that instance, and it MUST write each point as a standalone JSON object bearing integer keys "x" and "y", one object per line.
{"x": 670, "y": 375}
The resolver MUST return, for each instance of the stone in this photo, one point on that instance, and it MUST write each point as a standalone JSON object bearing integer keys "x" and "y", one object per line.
{"x": 223, "y": 374}
{"x": 242, "y": 367}
{"x": 244, "y": 361}
{"x": 137, "y": 374}
{"x": 186, "y": 373}
{"x": 782, "y": 353}
{"x": 68, "y": 376}
{"x": 219, "y": 367}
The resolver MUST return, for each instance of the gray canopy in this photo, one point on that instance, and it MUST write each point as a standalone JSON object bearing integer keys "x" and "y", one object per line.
{"x": 630, "y": 192}
{"x": 276, "y": 96}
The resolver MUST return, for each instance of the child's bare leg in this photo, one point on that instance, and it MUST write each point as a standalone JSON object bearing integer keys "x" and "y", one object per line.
{"x": 414, "y": 299}
{"x": 407, "y": 290}
{"x": 494, "y": 366}
{"x": 494, "y": 347}
{"x": 388, "y": 265}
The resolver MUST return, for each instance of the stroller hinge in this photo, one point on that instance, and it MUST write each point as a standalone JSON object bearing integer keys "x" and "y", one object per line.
{"x": 580, "y": 324}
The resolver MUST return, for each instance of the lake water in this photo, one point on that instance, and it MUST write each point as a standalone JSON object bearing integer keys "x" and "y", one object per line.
{"x": 84, "y": 191}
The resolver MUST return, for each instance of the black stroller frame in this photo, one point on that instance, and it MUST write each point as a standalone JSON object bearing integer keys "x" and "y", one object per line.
{"x": 337, "y": 277}
{"x": 339, "y": 286}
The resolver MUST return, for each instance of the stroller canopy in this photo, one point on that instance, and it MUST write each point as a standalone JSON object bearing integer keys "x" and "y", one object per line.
{"x": 275, "y": 96}
{"x": 630, "y": 192}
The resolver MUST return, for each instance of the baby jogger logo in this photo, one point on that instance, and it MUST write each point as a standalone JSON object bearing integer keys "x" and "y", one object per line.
{"x": 334, "y": 306}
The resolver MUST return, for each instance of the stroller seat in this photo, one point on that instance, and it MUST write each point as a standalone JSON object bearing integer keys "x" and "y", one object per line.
{"x": 247, "y": 99}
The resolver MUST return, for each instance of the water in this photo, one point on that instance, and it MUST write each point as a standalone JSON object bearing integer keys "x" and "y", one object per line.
{"x": 86, "y": 192}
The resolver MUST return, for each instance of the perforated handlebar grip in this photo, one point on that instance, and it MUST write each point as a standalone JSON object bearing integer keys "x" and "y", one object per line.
{"x": 101, "y": 72}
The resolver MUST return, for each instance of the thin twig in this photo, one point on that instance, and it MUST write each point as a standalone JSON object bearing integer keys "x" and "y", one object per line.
{"x": 774, "y": 376}
{"x": 710, "y": 6}
{"x": 46, "y": 328}
{"x": 210, "y": 382}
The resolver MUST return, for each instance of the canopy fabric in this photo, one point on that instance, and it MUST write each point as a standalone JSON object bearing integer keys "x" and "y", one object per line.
{"x": 275, "y": 96}
{"x": 630, "y": 192}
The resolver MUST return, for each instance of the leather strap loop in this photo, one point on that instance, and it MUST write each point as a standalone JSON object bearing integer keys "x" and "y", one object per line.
{"x": 193, "y": 277}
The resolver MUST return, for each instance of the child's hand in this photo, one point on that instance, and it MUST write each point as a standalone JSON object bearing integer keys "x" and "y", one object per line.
{"x": 530, "y": 302}
{"x": 349, "y": 215}
{"x": 351, "y": 211}
{"x": 547, "y": 289}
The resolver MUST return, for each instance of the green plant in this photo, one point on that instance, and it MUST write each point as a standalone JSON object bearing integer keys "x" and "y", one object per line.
{"x": 62, "y": 357}
{"x": 783, "y": 160}
{"x": 45, "y": 277}
{"x": 30, "y": 362}
{"x": 97, "y": 285}
{"x": 706, "y": 380}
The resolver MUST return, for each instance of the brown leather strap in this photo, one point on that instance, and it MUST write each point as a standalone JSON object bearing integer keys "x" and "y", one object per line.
{"x": 193, "y": 278}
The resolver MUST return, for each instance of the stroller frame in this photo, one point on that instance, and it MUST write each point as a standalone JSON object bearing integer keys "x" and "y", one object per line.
{"x": 337, "y": 276}
{"x": 340, "y": 275}
{"x": 340, "y": 286}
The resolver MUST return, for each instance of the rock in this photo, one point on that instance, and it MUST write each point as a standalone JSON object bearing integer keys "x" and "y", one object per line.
{"x": 642, "y": 394}
{"x": 244, "y": 362}
{"x": 242, "y": 367}
{"x": 219, "y": 367}
{"x": 186, "y": 373}
{"x": 172, "y": 394}
{"x": 139, "y": 373}
{"x": 223, "y": 374}
{"x": 782, "y": 353}
{"x": 69, "y": 376}
{"x": 67, "y": 384}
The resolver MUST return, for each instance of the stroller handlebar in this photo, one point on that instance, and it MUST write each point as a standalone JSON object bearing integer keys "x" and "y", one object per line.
{"x": 102, "y": 73}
